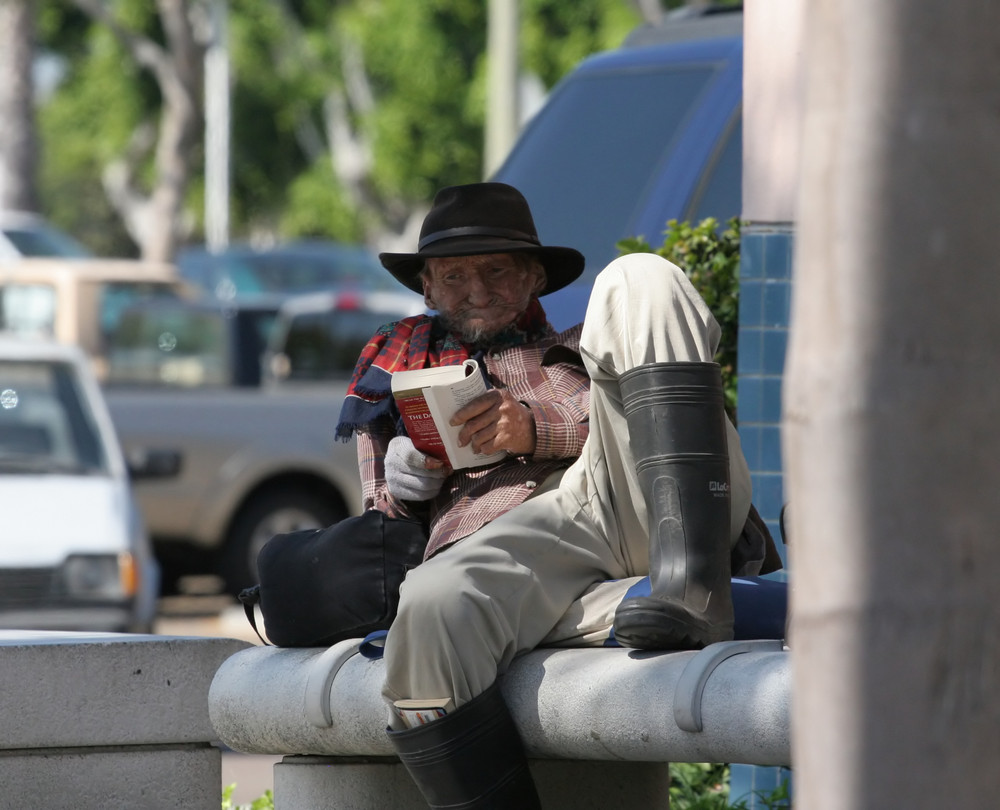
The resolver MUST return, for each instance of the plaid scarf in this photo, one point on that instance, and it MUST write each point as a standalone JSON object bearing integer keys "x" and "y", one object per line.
{"x": 419, "y": 341}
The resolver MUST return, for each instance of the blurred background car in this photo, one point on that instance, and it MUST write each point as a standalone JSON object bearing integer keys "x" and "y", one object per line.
{"x": 257, "y": 460}
{"x": 183, "y": 343}
{"x": 75, "y": 554}
{"x": 318, "y": 338}
{"x": 245, "y": 342}
{"x": 79, "y": 301}
{"x": 304, "y": 266}
{"x": 27, "y": 234}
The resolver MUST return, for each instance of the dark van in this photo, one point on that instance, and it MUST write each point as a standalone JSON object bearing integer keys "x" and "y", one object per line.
{"x": 633, "y": 138}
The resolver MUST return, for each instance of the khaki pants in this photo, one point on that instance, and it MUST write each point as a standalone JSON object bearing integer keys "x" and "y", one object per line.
{"x": 539, "y": 574}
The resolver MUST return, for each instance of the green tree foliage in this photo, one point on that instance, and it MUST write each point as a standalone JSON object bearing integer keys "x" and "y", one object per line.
{"x": 428, "y": 62}
{"x": 580, "y": 28}
{"x": 285, "y": 60}
{"x": 423, "y": 62}
{"x": 710, "y": 257}
{"x": 699, "y": 786}
{"x": 265, "y": 802}
{"x": 409, "y": 76}
{"x": 88, "y": 122}
{"x": 705, "y": 786}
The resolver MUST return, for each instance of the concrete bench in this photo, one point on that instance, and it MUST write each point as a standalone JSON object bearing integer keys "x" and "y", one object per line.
{"x": 600, "y": 725}
{"x": 110, "y": 721}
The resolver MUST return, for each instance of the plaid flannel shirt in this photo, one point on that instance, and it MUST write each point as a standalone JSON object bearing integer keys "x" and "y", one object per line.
{"x": 549, "y": 377}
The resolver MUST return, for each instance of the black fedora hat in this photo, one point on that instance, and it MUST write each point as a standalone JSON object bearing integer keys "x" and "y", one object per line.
{"x": 482, "y": 218}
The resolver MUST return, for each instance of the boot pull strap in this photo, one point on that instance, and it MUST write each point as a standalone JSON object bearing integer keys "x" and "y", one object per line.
{"x": 250, "y": 598}
{"x": 783, "y": 524}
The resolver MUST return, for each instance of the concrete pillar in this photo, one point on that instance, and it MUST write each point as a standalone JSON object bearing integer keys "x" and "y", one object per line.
{"x": 772, "y": 102}
{"x": 891, "y": 408}
{"x": 107, "y": 720}
{"x": 772, "y": 98}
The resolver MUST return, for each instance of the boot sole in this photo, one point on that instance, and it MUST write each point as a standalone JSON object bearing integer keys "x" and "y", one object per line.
{"x": 662, "y": 628}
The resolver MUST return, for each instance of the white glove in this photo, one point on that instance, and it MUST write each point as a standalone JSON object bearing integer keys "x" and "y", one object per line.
{"x": 405, "y": 473}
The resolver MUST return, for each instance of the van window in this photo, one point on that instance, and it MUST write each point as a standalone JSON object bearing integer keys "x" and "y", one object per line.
{"x": 326, "y": 345}
{"x": 577, "y": 147}
{"x": 117, "y": 296}
{"x": 175, "y": 347}
{"x": 720, "y": 194}
{"x": 44, "y": 423}
{"x": 28, "y": 308}
{"x": 284, "y": 269}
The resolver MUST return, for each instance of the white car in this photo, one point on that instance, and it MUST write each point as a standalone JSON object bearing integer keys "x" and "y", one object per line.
{"x": 74, "y": 553}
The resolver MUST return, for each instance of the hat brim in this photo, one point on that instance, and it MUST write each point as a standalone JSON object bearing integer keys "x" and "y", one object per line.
{"x": 562, "y": 265}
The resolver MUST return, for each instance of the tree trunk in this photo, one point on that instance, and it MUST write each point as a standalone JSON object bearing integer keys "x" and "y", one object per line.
{"x": 154, "y": 219}
{"x": 18, "y": 138}
{"x": 891, "y": 408}
{"x": 180, "y": 127}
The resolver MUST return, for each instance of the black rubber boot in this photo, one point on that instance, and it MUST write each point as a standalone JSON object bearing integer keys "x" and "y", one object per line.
{"x": 471, "y": 758}
{"x": 677, "y": 432}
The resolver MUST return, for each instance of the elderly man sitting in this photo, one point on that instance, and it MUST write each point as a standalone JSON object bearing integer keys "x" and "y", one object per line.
{"x": 620, "y": 462}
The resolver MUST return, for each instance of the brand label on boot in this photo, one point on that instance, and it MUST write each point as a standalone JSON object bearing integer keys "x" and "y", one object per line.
{"x": 720, "y": 488}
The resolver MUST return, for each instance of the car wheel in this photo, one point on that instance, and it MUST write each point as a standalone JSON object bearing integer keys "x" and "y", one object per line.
{"x": 275, "y": 512}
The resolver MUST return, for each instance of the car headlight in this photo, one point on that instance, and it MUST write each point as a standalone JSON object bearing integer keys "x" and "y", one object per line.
{"x": 99, "y": 576}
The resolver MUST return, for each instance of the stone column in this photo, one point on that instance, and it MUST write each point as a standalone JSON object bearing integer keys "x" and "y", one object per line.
{"x": 891, "y": 405}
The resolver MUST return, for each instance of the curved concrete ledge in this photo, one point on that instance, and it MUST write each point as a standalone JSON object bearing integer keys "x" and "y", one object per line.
{"x": 591, "y": 704}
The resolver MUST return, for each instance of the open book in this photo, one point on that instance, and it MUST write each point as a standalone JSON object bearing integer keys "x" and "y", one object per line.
{"x": 427, "y": 398}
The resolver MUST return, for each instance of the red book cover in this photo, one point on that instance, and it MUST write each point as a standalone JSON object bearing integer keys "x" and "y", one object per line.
{"x": 428, "y": 398}
{"x": 420, "y": 423}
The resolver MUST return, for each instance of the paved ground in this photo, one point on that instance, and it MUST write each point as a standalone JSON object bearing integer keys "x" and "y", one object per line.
{"x": 203, "y": 616}
{"x": 220, "y": 616}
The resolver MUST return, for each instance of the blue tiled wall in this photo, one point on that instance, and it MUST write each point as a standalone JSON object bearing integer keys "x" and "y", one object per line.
{"x": 754, "y": 785}
{"x": 765, "y": 303}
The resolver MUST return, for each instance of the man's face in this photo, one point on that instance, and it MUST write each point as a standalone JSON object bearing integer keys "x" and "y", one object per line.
{"x": 479, "y": 296}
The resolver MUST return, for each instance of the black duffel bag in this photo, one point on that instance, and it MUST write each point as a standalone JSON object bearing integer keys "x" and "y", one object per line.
{"x": 321, "y": 586}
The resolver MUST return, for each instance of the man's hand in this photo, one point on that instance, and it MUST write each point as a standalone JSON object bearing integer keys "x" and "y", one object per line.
{"x": 497, "y": 421}
{"x": 409, "y": 474}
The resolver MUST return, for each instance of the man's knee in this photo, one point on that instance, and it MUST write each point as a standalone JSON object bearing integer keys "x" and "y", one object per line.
{"x": 638, "y": 273}
{"x": 434, "y": 599}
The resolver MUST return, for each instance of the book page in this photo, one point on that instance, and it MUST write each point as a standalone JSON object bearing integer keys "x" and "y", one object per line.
{"x": 428, "y": 398}
{"x": 423, "y": 377}
{"x": 444, "y": 402}
{"x": 420, "y": 712}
